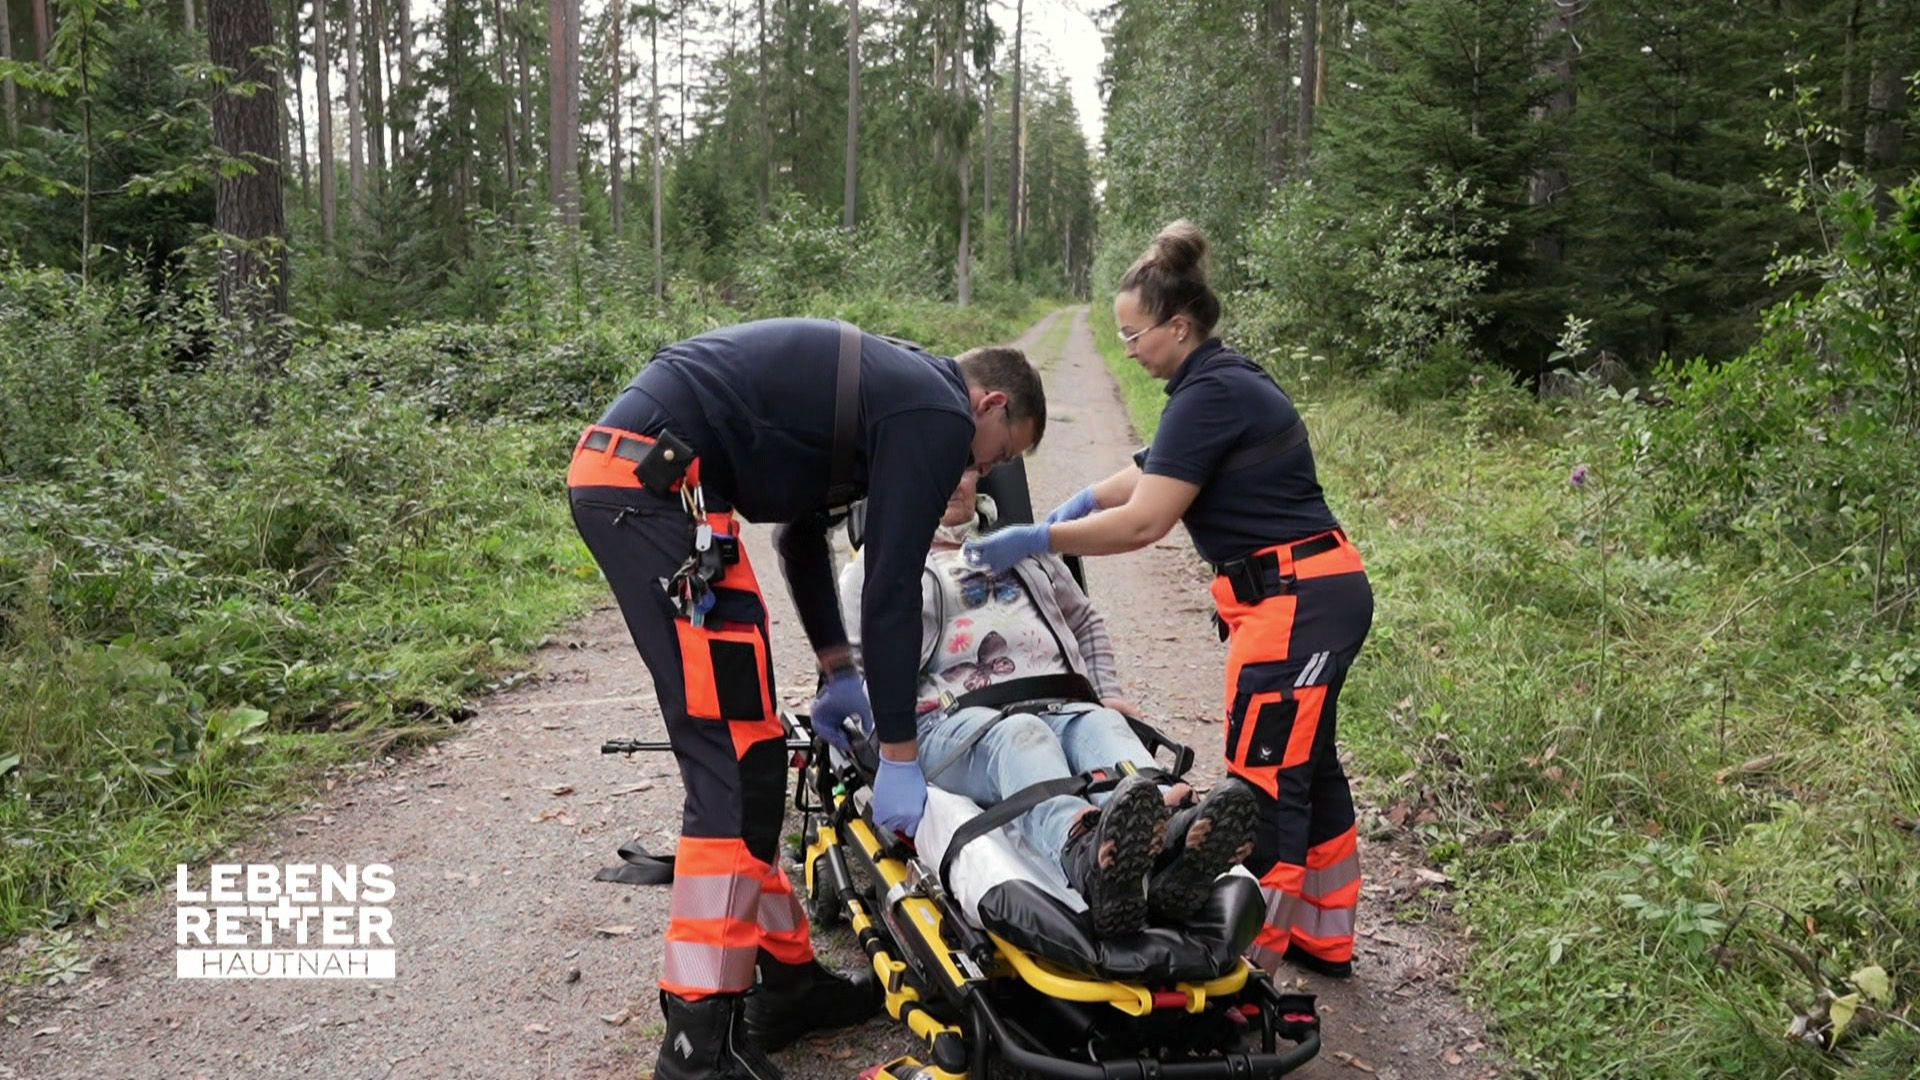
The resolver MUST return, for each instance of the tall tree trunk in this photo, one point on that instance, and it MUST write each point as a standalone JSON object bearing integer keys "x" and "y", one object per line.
{"x": 986, "y": 144}
{"x": 87, "y": 42}
{"x": 248, "y": 208}
{"x": 299, "y": 97}
{"x": 659, "y": 202}
{"x": 1886, "y": 94}
{"x": 1850, "y": 128}
{"x": 851, "y": 185}
{"x": 1016, "y": 207}
{"x": 403, "y": 120}
{"x": 618, "y": 56}
{"x": 376, "y": 74}
{"x": 1280, "y": 120}
{"x": 323, "y": 105}
{"x": 12, "y": 102}
{"x": 1551, "y": 182}
{"x": 500, "y": 32}
{"x": 563, "y": 95}
{"x": 42, "y": 31}
{"x": 524, "y": 50}
{"x": 963, "y": 258}
{"x": 356, "y": 121}
{"x": 766, "y": 133}
{"x": 1309, "y": 49}
{"x": 681, "y": 20}
{"x": 187, "y": 19}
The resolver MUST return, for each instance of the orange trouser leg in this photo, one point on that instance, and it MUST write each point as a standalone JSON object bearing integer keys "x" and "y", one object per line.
{"x": 1286, "y": 665}
{"x": 714, "y": 684}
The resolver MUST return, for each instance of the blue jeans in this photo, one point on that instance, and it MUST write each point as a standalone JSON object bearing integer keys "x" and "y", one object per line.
{"x": 1024, "y": 749}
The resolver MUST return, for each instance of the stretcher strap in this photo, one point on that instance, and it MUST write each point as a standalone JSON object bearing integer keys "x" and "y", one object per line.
{"x": 1018, "y": 803}
{"x": 638, "y": 867}
{"x": 1032, "y": 690}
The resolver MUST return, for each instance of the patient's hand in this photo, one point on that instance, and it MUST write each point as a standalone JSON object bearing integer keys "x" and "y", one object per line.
{"x": 1124, "y": 708}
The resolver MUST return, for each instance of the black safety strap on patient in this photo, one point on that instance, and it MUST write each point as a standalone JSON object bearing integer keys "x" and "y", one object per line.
{"x": 841, "y": 490}
{"x": 1018, "y": 803}
{"x": 1032, "y": 690}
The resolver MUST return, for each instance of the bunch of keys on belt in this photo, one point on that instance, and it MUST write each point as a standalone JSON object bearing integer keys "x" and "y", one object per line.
{"x": 690, "y": 589}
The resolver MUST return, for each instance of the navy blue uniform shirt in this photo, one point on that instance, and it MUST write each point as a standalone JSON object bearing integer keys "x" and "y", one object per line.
{"x": 756, "y": 402}
{"x": 1220, "y": 402}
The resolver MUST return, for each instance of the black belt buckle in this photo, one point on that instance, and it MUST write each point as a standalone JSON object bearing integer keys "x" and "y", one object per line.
{"x": 1256, "y": 577}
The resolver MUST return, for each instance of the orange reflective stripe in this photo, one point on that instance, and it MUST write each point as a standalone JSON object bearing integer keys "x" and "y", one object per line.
{"x": 728, "y": 933}
{"x": 1282, "y": 878}
{"x": 715, "y": 855}
{"x": 1328, "y": 852}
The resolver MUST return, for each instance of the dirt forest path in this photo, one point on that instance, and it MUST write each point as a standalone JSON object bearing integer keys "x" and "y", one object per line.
{"x": 513, "y": 962}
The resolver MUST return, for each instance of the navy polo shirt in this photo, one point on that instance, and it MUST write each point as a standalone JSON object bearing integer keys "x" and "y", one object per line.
{"x": 1220, "y": 402}
{"x": 756, "y": 402}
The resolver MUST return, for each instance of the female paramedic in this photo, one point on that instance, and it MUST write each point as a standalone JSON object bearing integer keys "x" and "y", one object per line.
{"x": 1231, "y": 460}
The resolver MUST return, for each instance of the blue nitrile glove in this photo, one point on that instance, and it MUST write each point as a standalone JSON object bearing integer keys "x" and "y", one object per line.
{"x": 844, "y": 696}
{"x": 899, "y": 796}
{"x": 999, "y": 551}
{"x": 1075, "y": 508}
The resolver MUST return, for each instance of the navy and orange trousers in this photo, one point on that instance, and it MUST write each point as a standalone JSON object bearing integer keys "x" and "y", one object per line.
{"x": 714, "y": 683}
{"x": 1296, "y": 615}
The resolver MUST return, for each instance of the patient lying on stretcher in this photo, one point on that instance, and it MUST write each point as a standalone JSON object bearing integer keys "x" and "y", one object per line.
{"x": 1135, "y": 852}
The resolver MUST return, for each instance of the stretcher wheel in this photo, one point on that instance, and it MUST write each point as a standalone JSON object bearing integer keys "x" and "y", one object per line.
{"x": 823, "y": 900}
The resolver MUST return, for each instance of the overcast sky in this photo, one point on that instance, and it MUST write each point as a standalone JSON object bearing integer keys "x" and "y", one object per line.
{"x": 1065, "y": 33}
{"x": 1060, "y": 34}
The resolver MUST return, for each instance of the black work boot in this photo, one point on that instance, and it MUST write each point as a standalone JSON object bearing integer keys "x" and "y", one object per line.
{"x": 1184, "y": 875}
{"x": 794, "y": 999}
{"x": 1134, "y": 821}
{"x": 1332, "y": 969}
{"x": 706, "y": 1040}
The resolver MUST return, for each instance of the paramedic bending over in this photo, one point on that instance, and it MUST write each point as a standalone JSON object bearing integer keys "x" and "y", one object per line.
{"x": 1232, "y": 462}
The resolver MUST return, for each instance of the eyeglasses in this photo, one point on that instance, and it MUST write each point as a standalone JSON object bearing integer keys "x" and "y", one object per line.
{"x": 1127, "y": 340}
{"x": 1007, "y": 455}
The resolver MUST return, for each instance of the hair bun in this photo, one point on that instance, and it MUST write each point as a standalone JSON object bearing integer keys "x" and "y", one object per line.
{"x": 1179, "y": 249}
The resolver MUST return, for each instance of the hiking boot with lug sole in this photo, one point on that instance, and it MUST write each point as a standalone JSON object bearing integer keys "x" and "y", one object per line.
{"x": 1134, "y": 821}
{"x": 1186, "y": 872}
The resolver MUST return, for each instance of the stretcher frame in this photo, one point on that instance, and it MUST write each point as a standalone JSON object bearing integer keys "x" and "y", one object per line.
{"x": 956, "y": 987}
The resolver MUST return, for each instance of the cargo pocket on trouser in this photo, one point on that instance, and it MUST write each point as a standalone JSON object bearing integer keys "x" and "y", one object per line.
{"x": 725, "y": 668}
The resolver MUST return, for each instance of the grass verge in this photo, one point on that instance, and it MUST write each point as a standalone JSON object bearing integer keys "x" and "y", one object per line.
{"x": 175, "y": 668}
{"x": 1679, "y": 791}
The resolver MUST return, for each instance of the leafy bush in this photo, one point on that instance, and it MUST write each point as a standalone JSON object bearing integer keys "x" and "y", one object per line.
{"x": 1806, "y": 445}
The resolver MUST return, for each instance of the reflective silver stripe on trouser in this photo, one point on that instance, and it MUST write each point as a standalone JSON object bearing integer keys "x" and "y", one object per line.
{"x": 710, "y": 969}
{"x": 1280, "y": 907}
{"x": 1329, "y": 880}
{"x": 715, "y": 896}
{"x": 1265, "y": 959}
{"x": 1322, "y": 923}
{"x": 780, "y": 913}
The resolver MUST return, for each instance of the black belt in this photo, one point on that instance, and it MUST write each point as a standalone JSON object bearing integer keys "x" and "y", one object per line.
{"x": 631, "y": 447}
{"x": 1057, "y": 687}
{"x": 1257, "y": 577}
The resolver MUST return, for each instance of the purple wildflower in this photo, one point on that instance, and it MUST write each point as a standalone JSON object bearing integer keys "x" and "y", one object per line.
{"x": 1578, "y": 477}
